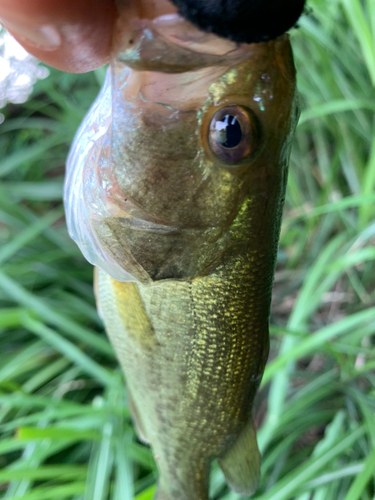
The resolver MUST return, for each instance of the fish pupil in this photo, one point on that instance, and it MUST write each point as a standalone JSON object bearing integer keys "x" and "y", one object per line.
{"x": 228, "y": 131}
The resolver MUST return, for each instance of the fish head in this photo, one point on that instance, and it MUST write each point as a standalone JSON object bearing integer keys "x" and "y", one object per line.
{"x": 191, "y": 130}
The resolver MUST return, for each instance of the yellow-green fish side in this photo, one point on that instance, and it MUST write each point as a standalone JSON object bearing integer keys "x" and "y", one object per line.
{"x": 158, "y": 193}
{"x": 193, "y": 372}
{"x": 194, "y": 353}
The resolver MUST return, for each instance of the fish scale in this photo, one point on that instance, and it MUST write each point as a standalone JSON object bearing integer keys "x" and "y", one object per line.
{"x": 201, "y": 333}
{"x": 184, "y": 227}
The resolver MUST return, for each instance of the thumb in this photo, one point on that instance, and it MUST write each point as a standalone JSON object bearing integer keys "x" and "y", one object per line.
{"x": 71, "y": 35}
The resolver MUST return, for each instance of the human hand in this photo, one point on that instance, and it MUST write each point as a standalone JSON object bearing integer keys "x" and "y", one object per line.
{"x": 72, "y": 35}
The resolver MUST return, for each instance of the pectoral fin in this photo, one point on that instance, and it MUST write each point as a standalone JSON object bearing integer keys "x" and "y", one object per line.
{"x": 96, "y": 292}
{"x": 241, "y": 463}
{"x": 133, "y": 315}
{"x": 137, "y": 419}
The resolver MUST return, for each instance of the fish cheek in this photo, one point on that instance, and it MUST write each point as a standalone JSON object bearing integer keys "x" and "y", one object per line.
{"x": 161, "y": 168}
{"x": 155, "y": 165}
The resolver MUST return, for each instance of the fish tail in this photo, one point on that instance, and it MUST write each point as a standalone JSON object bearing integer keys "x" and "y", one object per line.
{"x": 184, "y": 484}
{"x": 241, "y": 463}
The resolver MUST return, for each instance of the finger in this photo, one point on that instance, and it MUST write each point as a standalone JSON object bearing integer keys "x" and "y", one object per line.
{"x": 72, "y": 35}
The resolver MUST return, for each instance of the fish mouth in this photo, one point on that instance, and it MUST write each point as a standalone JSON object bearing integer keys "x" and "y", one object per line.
{"x": 130, "y": 214}
{"x": 171, "y": 44}
{"x": 147, "y": 226}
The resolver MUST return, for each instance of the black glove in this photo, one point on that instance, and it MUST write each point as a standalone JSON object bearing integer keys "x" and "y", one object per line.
{"x": 242, "y": 20}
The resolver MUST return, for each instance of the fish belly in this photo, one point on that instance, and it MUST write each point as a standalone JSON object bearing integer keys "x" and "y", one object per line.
{"x": 193, "y": 354}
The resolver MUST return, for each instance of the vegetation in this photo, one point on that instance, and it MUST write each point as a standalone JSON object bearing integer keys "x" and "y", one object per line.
{"x": 64, "y": 421}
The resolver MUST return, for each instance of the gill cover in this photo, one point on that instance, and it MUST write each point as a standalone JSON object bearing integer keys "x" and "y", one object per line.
{"x": 81, "y": 182}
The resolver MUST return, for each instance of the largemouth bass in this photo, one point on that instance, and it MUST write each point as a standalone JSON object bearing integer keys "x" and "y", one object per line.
{"x": 175, "y": 190}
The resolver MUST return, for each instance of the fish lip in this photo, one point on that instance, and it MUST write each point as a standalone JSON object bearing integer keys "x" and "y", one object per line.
{"x": 167, "y": 228}
{"x": 131, "y": 214}
{"x": 154, "y": 47}
{"x": 138, "y": 224}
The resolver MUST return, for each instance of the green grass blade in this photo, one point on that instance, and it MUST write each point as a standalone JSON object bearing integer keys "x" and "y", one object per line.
{"x": 69, "y": 350}
{"x": 359, "y": 484}
{"x": 22, "y": 296}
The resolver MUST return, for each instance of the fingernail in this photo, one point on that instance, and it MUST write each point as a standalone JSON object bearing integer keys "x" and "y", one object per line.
{"x": 45, "y": 37}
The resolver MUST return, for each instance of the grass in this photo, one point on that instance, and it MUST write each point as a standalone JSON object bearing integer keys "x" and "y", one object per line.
{"x": 64, "y": 421}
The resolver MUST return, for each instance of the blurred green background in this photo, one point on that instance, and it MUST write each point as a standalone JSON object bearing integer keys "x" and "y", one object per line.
{"x": 65, "y": 431}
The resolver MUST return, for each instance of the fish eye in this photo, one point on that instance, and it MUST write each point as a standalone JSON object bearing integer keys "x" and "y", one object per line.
{"x": 232, "y": 134}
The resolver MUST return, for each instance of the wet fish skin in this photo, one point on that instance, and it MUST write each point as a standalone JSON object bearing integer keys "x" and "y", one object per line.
{"x": 194, "y": 350}
{"x": 200, "y": 238}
